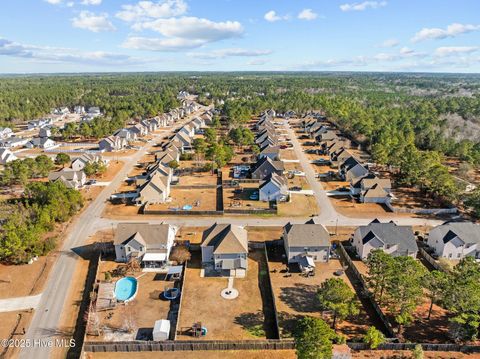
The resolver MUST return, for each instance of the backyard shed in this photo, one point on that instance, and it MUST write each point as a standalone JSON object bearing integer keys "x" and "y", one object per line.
{"x": 161, "y": 330}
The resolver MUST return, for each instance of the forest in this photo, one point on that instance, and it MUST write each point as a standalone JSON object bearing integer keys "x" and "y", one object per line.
{"x": 409, "y": 122}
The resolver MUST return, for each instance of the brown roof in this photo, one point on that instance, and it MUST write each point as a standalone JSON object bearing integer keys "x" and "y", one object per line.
{"x": 152, "y": 235}
{"x": 226, "y": 238}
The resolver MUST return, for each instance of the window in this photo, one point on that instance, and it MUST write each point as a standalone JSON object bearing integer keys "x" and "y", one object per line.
{"x": 458, "y": 255}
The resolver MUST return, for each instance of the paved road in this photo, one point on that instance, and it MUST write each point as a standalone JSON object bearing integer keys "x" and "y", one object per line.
{"x": 19, "y": 303}
{"x": 49, "y": 310}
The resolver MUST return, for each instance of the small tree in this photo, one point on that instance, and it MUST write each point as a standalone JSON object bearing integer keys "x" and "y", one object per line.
{"x": 173, "y": 164}
{"x": 313, "y": 339}
{"x": 62, "y": 159}
{"x": 436, "y": 283}
{"x": 373, "y": 337}
{"x": 417, "y": 352}
{"x": 335, "y": 295}
{"x": 180, "y": 254}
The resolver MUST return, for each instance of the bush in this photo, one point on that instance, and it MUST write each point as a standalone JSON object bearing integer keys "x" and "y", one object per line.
{"x": 186, "y": 156}
{"x": 373, "y": 337}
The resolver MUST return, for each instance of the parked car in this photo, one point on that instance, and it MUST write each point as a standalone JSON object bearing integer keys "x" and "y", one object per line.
{"x": 296, "y": 188}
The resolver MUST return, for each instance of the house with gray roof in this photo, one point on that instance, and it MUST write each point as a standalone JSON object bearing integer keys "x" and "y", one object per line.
{"x": 150, "y": 244}
{"x": 155, "y": 190}
{"x": 225, "y": 248}
{"x": 6, "y": 156}
{"x": 273, "y": 152}
{"x": 455, "y": 240}
{"x": 392, "y": 239}
{"x": 69, "y": 177}
{"x": 265, "y": 167}
{"x": 273, "y": 188}
{"x": 309, "y": 240}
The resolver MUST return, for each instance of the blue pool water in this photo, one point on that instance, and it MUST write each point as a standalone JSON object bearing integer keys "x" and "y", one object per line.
{"x": 126, "y": 289}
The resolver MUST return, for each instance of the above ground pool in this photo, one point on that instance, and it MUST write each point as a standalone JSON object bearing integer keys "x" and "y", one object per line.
{"x": 126, "y": 289}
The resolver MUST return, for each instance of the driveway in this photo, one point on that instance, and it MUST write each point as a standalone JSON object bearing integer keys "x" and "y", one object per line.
{"x": 19, "y": 303}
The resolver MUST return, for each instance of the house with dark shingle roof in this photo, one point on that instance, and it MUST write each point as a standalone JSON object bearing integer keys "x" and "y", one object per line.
{"x": 392, "y": 239}
{"x": 456, "y": 240}
{"x": 265, "y": 167}
{"x": 225, "y": 247}
{"x": 148, "y": 243}
{"x": 273, "y": 152}
{"x": 306, "y": 240}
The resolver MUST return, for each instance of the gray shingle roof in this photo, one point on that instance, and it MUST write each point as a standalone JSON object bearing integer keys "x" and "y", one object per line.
{"x": 307, "y": 235}
{"x": 390, "y": 234}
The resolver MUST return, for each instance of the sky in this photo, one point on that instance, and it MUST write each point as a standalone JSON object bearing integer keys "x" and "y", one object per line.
{"x": 51, "y": 36}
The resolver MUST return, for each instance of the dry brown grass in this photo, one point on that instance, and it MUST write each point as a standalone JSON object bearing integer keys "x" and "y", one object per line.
{"x": 300, "y": 205}
{"x": 223, "y": 318}
{"x": 240, "y": 354}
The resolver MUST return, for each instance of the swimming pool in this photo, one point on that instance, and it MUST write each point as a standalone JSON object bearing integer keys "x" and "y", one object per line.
{"x": 126, "y": 289}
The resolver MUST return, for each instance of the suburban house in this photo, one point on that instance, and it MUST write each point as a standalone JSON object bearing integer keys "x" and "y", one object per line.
{"x": 149, "y": 243}
{"x": 392, "y": 239}
{"x": 71, "y": 178}
{"x": 79, "y": 163}
{"x": 155, "y": 190}
{"x": 79, "y": 110}
{"x": 41, "y": 142}
{"x": 273, "y": 152}
{"x": 181, "y": 137}
{"x": 6, "y": 132}
{"x": 274, "y": 188}
{"x": 39, "y": 123}
{"x": 306, "y": 243}
{"x": 45, "y": 132}
{"x": 112, "y": 143}
{"x": 94, "y": 111}
{"x": 188, "y": 130}
{"x": 6, "y": 156}
{"x": 456, "y": 240}
{"x": 167, "y": 156}
{"x": 13, "y": 141}
{"x": 225, "y": 248}
{"x": 265, "y": 167}
{"x": 126, "y": 134}
{"x": 351, "y": 168}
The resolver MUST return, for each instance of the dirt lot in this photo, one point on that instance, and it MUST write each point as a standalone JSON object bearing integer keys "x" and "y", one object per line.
{"x": 224, "y": 319}
{"x": 351, "y": 208}
{"x": 288, "y": 154}
{"x": 413, "y": 198}
{"x": 295, "y": 296}
{"x": 201, "y": 199}
{"x": 11, "y": 327}
{"x": 113, "y": 167}
{"x": 122, "y": 153}
{"x": 205, "y": 178}
{"x": 299, "y": 206}
{"x": 334, "y": 185}
{"x": 242, "y": 200}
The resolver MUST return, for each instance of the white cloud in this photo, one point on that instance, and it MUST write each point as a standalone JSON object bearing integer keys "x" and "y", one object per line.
{"x": 406, "y": 51}
{"x": 64, "y": 55}
{"x": 70, "y": 4}
{"x": 257, "y": 62}
{"x": 455, "y": 50}
{"x": 183, "y": 33}
{"x": 272, "y": 16}
{"x": 236, "y": 52}
{"x": 91, "y": 2}
{"x": 307, "y": 14}
{"x": 93, "y": 22}
{"x": 145, "y": 10}
{"x": 452, "y": 30}
{"x": 389, "y": 43}
{"x": 54, "y": 2}
{"x": 363, "y": 5}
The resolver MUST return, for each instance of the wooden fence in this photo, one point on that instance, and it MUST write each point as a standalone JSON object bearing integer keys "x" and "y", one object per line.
{"x": 174, "y": 330}
{"x": 277, "y": 328}
{"x": 189, "y": 345}
{"x": 430, "y": 259}
{"x": 260, "y": 344}
{"x": 374, "y": 304}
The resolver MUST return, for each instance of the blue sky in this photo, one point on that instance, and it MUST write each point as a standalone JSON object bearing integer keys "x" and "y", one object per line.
{"x": 229, "y": 35}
